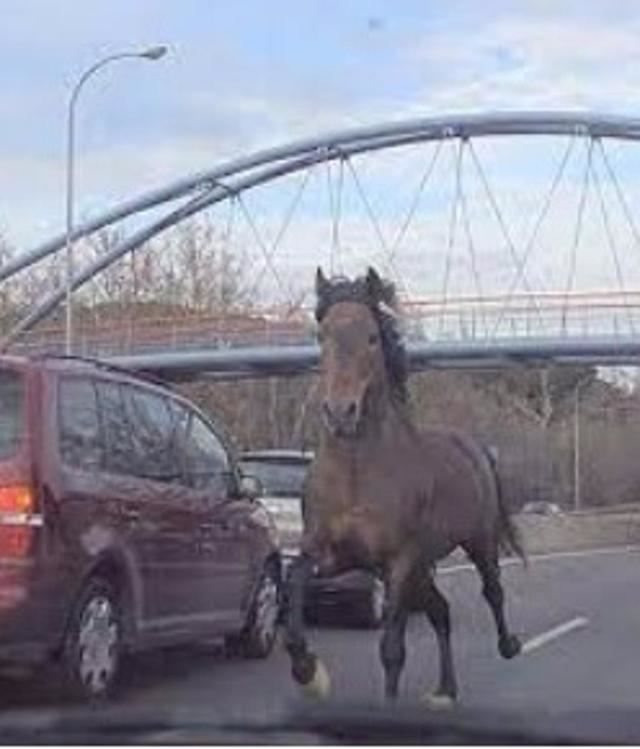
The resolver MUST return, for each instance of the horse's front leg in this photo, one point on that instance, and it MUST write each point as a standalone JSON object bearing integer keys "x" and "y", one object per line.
{"x": 392, "y": 643}
{"x": 306, "y": 668}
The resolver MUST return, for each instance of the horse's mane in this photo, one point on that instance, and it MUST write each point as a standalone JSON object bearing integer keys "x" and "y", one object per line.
{"x": 382, "y": 301}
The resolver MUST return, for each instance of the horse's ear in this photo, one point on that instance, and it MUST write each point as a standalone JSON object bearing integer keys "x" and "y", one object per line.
{"x": 321, "y": 282}
{"x": 379, "y": 290}
{"x": 375, "y": 286}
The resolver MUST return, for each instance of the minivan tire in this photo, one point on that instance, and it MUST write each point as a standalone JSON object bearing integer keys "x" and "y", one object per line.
{"x": 92, "y": 648}
{"x": 260, "y": 632}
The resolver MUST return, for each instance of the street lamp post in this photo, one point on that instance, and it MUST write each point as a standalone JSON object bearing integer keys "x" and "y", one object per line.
{"x": 577, "y": 444}
{"x": 153, "y": 53}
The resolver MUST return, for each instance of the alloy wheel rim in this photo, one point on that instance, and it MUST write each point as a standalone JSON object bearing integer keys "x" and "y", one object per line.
{"x": 97, "y": 644}
{"x": 267, "y": 610}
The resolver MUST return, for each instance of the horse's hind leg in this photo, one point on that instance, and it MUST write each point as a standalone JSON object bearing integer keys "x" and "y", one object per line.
{"x": 437, "y": 611}
{"x": 485, "y": 558}
{"x": 306, "y": 668}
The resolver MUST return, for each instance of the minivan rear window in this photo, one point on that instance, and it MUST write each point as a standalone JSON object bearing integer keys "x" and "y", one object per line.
{"x": 11, "y": 412}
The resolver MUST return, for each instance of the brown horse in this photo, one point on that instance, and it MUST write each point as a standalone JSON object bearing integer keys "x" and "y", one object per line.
{"x": 385, "y": 497}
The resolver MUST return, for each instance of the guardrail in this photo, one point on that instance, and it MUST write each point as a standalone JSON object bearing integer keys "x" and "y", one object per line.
{"x": 588, "y": 529}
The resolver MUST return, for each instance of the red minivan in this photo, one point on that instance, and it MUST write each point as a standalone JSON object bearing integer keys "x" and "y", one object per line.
{"x": 124, "y": 524}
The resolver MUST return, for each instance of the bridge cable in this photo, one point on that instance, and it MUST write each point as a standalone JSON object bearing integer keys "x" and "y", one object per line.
{"x": 453, "y": 226}
{"x": 228, "y": 233}
{"x": 376, "y": 225}
{"x": 287, "y": 222}
{"x": 413, "y": 207}
{"x": 332, "y": 211}
{"x": 268, "y": 261}
{"x": 620, "y": 193}
{"x": 338, "y": 215}
{"x": 517, "y": 260}
{"x": 269, "y": 252}
{"x": 577, "y": 233}
{"x": 531, "y": 242}
{"x": 471, "y": 249}
{"x": 612, "y": 245}
{"x": 335, "y": 207}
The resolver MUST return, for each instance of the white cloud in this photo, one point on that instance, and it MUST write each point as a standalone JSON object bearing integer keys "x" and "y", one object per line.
{"x": 565, "y": 61}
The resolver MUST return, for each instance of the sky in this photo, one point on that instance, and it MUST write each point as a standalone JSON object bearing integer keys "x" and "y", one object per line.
{"x": 247, "y": 74}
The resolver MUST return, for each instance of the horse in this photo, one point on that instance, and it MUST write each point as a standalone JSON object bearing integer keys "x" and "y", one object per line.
{"x": 383, "y": 496}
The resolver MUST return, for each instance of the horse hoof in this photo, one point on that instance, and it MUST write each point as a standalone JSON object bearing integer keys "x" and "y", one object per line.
{"x": 439, "y": 701}
{"x": 510, "y": 647}
{"x": 319, "y": 686}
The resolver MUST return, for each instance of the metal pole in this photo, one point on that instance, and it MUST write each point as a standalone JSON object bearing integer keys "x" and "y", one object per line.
{"x": 577, "y": 436}
{"x": 69, "y": 227}
{"x": 153, "y": 53}
{"x": 576, "y": 449}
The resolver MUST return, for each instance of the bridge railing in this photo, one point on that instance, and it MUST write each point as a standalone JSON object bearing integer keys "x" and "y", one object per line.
{"x": 464, "y": 319}
{"x": 579, "y": 314}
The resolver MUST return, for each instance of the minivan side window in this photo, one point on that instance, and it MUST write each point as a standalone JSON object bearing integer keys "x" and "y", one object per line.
{"x": 153, "y": 431}
{"x": 81, "y": 443}
{"x": 118, "y": 443}
{"x": 207, "y": 459}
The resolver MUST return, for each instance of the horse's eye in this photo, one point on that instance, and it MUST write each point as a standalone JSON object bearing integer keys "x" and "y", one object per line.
{"x": 373, "y": 339}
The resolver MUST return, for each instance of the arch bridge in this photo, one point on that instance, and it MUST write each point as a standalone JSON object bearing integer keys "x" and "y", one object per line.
{"x": 476, "y": 290}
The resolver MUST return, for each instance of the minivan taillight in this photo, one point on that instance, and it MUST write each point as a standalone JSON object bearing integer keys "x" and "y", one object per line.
{"x": 19, "y": 498}
{"x": 17, "y": 505}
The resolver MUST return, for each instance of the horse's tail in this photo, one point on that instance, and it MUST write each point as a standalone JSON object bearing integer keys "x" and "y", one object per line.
{"x": 509, "y": 536}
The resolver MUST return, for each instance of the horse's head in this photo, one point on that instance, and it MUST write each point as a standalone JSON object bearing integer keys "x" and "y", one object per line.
{"x": 361, "y": 352}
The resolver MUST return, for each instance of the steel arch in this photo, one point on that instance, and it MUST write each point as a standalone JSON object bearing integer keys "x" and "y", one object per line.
{"x": 348, "y": 142}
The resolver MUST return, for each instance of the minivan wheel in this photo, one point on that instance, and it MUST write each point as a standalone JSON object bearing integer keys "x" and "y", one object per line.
{"x": 93, "y": 643}
{"x": 259, "y": 634}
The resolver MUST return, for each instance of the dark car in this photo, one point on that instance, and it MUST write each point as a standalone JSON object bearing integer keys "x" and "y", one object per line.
{"x": 281, "y": 474}
{"x": 124, "y": 524}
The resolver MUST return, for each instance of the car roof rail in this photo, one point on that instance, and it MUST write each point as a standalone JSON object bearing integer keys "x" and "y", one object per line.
{"x": 140, "y": 374}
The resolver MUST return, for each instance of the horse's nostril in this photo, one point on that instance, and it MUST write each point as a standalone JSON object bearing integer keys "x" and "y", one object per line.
{"x": 342, "y": 414}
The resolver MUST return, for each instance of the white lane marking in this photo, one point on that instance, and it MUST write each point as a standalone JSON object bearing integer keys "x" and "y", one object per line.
{"x": 552, "y": 634}
{"x": 545, "y": 557}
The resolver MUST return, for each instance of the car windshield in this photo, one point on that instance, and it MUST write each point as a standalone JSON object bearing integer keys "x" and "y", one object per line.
{"x": 397, "y": 238}
{"x": 11, "y": 412}
{"x": 278, "y": 479}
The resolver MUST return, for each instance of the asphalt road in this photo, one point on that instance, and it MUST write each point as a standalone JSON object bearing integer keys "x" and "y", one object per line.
{"x": 594, "y": 665}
